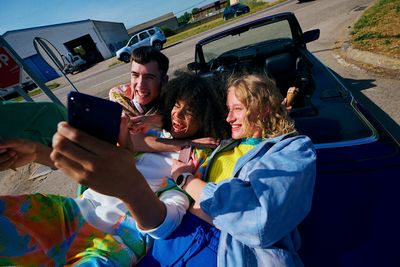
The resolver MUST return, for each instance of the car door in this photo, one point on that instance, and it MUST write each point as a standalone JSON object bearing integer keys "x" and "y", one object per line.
{"x": 144, "y": 39}
{"x": 133, "y": 42}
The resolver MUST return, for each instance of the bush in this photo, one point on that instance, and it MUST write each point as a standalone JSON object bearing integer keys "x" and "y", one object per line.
{"x": 167, "y": 31}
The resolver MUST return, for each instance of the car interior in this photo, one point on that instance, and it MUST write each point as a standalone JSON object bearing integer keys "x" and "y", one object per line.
{"x": 289, "y": 66}
{"x": 351, "y": 220}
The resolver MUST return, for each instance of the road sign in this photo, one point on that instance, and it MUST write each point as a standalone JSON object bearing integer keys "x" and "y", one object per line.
{"x": 9, "y": 70}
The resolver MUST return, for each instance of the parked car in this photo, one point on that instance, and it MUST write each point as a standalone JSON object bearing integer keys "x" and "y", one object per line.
{"x": 8, "y": 93}
{"x": 235, "y": 10}
{"x": 26, "y": 82}
{"x": 150, "y": 37}
{"x": 353, "y": 219}
{"x": 73, "y": 63}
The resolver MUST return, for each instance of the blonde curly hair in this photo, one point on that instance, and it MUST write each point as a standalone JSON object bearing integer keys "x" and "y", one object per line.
{"x": 260, "y": 96}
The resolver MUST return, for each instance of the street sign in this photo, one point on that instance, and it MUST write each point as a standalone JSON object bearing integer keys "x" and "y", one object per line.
{"x": 9, "y": 70}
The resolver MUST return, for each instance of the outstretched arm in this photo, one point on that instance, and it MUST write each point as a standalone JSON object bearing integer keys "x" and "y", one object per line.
{"x": 109, "y": 170}
{"x": 19, "y": 152}
{"x": 145, "y": 143}
{"x": 193, "y": 186}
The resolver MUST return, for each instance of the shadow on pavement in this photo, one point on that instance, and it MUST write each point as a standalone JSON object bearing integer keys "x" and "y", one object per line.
{"x": 380, "y": 117}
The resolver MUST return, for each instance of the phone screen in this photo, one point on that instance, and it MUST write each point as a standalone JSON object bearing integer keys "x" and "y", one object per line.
{"x": 96, "y": 116}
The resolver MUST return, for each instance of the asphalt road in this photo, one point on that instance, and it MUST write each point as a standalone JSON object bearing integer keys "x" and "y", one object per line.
{"x": 333, "y": 17}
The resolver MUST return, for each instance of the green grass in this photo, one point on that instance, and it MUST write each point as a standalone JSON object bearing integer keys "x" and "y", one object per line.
{"x": 377, "y": 30}
{"x": 254, "y": 7}
{"x": 115, "y": 62}
{"x": 193, "y": 31}
{"x": 387, "y": 42}
{"x": 368, "y": 35}
{"x": 37, "y": 91}
{"x": 373, "y": 16}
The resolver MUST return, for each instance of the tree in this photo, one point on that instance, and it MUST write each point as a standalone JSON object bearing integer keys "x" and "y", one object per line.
{"x": 185, "y": 18}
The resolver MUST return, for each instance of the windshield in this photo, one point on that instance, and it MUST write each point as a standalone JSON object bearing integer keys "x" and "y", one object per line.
{"x": 254, "y": 36}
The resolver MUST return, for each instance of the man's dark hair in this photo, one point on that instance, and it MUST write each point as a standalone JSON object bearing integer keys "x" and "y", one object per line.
{"x": 146, "y": 54}
{"x": 205, "y": 104}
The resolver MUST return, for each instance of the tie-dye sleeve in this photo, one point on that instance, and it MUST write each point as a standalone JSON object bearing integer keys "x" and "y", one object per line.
{"x": 200, "y": 158}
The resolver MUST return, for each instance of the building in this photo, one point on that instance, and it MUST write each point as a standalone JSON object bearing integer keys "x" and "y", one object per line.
{"x": 168, "y": 21}
{"x": 93, "y": 40}
{"x": 210, "y": 10}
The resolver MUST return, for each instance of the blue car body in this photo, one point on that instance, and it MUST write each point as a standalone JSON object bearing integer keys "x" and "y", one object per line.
{"x": 353, "y": 221}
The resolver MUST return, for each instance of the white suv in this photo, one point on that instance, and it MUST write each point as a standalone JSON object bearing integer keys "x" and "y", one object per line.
{"x": 150, "y": 37}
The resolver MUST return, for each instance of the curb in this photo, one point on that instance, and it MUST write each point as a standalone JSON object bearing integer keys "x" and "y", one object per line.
{"x": 371, "y": 58}
{"x": 392, "y": 65}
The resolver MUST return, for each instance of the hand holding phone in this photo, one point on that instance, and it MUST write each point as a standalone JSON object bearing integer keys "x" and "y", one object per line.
{"x": 185, "y": 154}
{"x": 96, "y": 116}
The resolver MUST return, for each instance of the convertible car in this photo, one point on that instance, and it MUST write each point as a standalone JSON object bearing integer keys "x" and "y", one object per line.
{"x": 353, "y": 219}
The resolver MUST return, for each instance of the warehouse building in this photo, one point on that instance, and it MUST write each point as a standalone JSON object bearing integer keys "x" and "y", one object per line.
{"x": 165, "y": 21}
{"x": 94, "y": 41}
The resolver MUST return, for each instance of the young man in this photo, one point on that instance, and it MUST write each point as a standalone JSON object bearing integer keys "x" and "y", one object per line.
{"x": 149, "y": 69}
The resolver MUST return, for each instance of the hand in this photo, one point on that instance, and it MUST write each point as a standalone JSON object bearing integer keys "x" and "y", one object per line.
{"x": 144, "y": 122}
{"x": 16, "y": 153}
{"x": 107, "y": 169}
{"x": 290, "y": 97}
{"x": 7, "y": 159}
{"x": 124, "y": 133}
{"x": 284, "y": 102}
{"x": 104, "y": 167}
{"x": 178, "y": 167}
{"x": 205, "y": 142}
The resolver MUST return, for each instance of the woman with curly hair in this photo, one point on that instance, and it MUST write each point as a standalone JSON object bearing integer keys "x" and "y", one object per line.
{"x": 255, "y": 92}
{"x": 205, "y": 104}
{"x": 257, "y": 188}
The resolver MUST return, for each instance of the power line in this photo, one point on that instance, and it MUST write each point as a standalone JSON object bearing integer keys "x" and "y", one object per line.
{"x": 191, "y": 7}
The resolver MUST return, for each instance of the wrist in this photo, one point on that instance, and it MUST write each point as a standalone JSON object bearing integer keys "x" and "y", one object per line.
{"x": 182, "y": 179}
{"x": 189, "y": 180}
{"x": 185, "y": 143}
{"x": 42, "y": 155}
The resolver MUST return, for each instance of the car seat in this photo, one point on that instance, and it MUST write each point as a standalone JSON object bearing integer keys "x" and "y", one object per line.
{"x": 288, "y": 70}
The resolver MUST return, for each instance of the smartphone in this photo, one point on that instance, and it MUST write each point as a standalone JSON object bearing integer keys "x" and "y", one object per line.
{"x": 96, "y": 116}
{"x": 185, "y": 154}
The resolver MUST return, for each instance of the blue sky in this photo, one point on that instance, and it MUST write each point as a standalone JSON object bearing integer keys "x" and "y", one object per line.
{"x": 22, "y": 14}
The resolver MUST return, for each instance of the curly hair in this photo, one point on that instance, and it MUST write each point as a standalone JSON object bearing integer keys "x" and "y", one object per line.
{"x": 259, "y": 93}
{"x": 203, "y": 100}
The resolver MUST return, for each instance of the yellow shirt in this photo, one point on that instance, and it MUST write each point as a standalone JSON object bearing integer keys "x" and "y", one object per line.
{"x": 224, "y": 162}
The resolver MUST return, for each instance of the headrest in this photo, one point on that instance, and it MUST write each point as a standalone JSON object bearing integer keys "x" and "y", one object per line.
{"x": 280, "y": 64}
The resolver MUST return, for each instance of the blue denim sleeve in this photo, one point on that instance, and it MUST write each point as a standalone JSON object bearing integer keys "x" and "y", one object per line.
{"x": 270, "y": 195}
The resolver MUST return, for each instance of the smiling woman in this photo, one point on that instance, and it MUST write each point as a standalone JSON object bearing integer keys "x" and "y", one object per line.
{"x": 185, "y": 101}
{"x": 182, "y": 120}
{"x": 256, "y": 188}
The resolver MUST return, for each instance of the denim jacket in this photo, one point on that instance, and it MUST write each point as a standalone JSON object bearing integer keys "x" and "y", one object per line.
{"x": 258, "y": 209}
